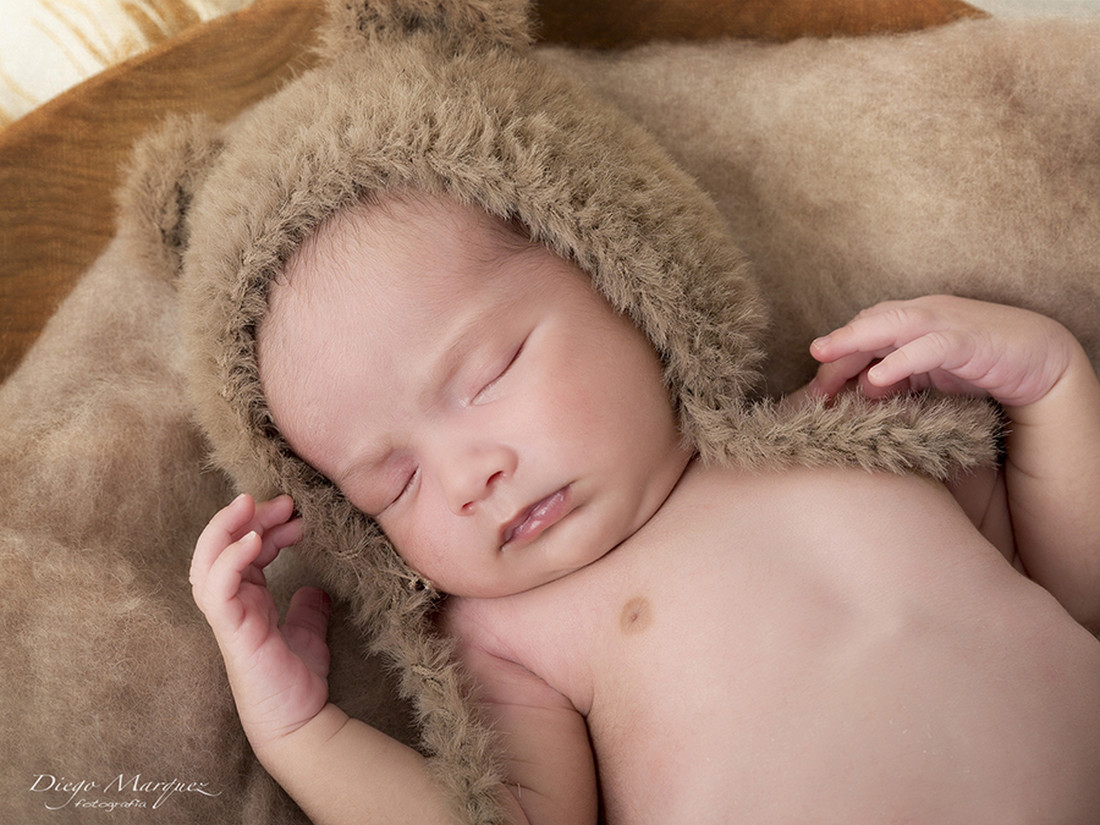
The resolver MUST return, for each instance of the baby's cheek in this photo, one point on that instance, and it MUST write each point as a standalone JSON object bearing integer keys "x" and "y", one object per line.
{"x": 421, "y": 535}
{"x": 413, "y": 553}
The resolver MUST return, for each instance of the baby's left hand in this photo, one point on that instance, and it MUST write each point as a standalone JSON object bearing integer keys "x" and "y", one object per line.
{"x": 955, "y": 345}
{"x": 278, "y": 672}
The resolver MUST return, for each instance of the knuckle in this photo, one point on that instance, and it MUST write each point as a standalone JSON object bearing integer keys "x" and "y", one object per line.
{"x": 908, "y": 315}
{"x": 940, "y": 341}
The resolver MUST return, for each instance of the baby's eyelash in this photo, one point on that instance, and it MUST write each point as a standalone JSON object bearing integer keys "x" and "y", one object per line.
{"x": 403, "y": 492}
{"x": 511, "y": 361}
{"x": 408, "y": 484}
{"x": 504, "y": 371}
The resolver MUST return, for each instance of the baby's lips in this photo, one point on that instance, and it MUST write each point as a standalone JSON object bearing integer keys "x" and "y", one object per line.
{"x": 531, "y": 523}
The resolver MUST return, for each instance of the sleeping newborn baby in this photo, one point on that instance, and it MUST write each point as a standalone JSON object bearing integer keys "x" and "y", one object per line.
{"x": 653, "y": 638}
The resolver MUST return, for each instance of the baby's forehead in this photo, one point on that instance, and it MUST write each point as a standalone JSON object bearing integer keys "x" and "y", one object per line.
{"x": 408, "y": 256}
{"x": 408, "y": 224}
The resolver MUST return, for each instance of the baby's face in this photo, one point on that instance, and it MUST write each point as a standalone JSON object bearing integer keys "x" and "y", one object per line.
{"x": 473, "y": 393}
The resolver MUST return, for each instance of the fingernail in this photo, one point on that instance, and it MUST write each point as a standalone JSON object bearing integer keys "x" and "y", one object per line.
{"x": 820, "y": 342}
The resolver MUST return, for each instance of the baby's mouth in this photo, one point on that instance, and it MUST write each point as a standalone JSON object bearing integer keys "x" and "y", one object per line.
{"x": 530, "y": 523}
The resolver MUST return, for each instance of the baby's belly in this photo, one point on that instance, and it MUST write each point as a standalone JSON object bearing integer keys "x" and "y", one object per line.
{"x": 858, "y": 664}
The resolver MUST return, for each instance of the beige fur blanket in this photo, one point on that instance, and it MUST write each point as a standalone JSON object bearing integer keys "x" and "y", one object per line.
{"x": 965, "y": 159}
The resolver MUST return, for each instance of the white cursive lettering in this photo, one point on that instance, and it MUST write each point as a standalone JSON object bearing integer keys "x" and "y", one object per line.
{"x": 134, "y": 790}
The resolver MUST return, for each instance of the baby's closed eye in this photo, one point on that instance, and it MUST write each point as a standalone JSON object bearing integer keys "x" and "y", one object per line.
{"x": 501, "y": 367}
{"x": 410, "y": 482}
{"x": 386, "y": 484}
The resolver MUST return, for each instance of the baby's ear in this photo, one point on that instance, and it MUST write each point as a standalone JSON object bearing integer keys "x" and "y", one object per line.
{"x": 351, "y": 23}
{"x": 166, "y": 168}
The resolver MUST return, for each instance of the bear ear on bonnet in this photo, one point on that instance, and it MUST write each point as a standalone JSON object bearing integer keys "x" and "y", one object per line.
{"x": 170, "y": 164}
{"x": 492, "y": 22}
{"x": 167, "y": 167}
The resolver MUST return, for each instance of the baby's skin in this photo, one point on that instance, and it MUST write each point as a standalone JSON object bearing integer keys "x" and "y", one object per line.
{"x": 713, "y": 645}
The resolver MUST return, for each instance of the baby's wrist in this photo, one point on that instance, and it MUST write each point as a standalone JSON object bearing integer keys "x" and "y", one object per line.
{"x": 1070, "y": 391}
{"x": 307, "y": 738}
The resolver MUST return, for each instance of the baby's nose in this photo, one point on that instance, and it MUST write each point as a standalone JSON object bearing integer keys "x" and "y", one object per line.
{"x": 473, "y": 475}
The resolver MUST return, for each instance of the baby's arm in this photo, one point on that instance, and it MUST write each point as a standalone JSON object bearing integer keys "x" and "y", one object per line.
{"x": 337, "y": 768}
{"x": 1042, "y": 377}
{"x": 549, "y": 765}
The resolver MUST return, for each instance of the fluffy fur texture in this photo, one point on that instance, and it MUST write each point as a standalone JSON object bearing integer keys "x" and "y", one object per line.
{"x": 94, "y": 566}
{"x": 841, "y": 185}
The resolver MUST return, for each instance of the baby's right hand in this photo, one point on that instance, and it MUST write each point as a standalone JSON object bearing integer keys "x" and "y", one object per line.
{"x": 278, "y": 673}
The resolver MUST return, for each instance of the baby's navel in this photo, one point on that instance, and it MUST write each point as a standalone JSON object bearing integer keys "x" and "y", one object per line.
{"x": 636, "y": 616}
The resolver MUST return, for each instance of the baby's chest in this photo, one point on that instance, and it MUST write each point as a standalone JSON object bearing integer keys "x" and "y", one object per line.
{"x": 726, "y": 667}
{"x": 689, "y": 671}
{"x": 681, "y": 627}
{"x": 697, "y": 702}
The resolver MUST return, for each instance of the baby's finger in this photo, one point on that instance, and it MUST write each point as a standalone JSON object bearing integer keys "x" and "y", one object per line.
{"x": 223, "y": 529}
{"x": 243, "y": 515}
{"x": 309, "y": 611}
{"x": 269, "y": 521}
{"x": 272, "y": 512}
{"x": 881, "y": 329}
{"x": 234, "y": 566}
{"x": 832, "y": 376}
{"x": 278, "y": 537}
{"x": 935, "y": 351}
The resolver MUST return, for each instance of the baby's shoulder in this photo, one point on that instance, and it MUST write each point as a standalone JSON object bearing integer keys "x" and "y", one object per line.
{"x": 479, "y": 624}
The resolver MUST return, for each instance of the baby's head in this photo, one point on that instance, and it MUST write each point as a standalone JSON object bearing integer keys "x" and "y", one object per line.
{"x": 470, "y": 390}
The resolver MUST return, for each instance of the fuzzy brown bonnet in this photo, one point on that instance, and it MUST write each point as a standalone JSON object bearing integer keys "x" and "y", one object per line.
{"x": 446, "y": 98}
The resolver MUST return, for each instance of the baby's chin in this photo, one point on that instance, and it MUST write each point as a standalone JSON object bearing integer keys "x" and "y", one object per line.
{"x": 592, "y": 528}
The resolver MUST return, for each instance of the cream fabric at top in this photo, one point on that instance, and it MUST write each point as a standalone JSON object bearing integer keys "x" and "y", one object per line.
{"x": 46, "y": 46}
